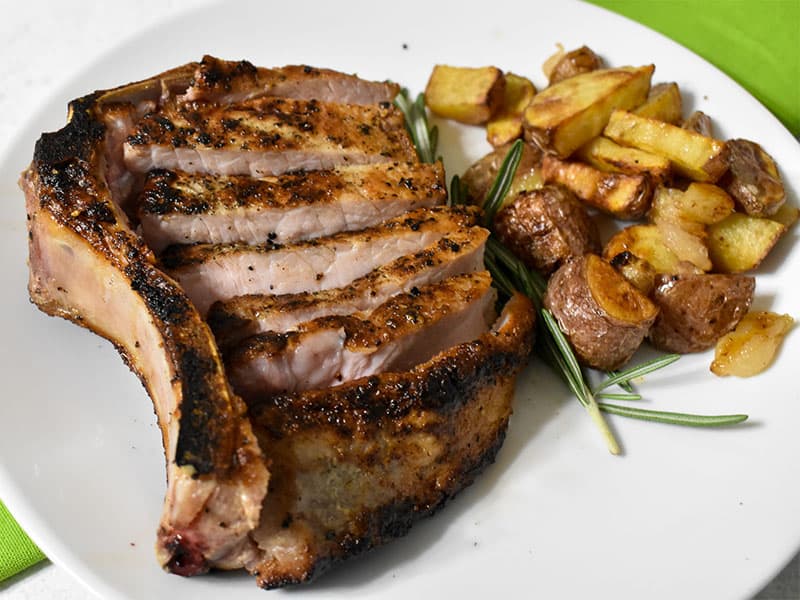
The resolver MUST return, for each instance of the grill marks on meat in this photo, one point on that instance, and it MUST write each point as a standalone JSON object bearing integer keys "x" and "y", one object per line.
{"x": 267, "y": 136}
{"x": 423, "y": 434}
{"x": 243, "y": 316}
{"x": 229, "y": 82}
{"x": 182, "y": 208}
{"x": 404, "y": 331}
{"x": 351, "y": 465}
{"x": 210, "y": 273}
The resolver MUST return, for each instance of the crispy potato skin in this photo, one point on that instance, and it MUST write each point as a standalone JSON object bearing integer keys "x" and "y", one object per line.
{"x": 575, "y": 62}
{"x": 478, "y": 178}
{"x": 545, "y": 227}
{"x": 697, "y": 310}
{"x": 600, "y": 340}
{"x": 753, "y": 179}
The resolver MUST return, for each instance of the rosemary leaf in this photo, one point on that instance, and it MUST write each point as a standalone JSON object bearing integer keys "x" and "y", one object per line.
{"x": 638, "y": 371}
{"x": 625, "y": 396}
{"x": 672, "y": 418}
{"x": 502, "y": 183}
{"x": 424, "y": 137}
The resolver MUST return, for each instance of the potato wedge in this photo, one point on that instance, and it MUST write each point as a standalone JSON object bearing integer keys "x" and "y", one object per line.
{"x": 601, "y": 153}
{"x": 663, "y": 103}
{"x": 705, "y": 203}
{"x": 465, "y": 94}
{"x": 699, "y": 122}
{"x": 696, "y": 156}
{"x": 753, "y": 179}
{"x": 622, "y": 196}
{"x": 604, "y": 317}
{"x": 697, "y": 310}
{"x": 545, "y": 227}
{"x": 786, "y": 215}
{"x": 563, "y": 65}
{"x": 506, "y": 126}
{"x": 566, "y": 115}
{"x": 751, "y": 347}
{"x": 740, "y": 242}
{"x": 647, "y": 242}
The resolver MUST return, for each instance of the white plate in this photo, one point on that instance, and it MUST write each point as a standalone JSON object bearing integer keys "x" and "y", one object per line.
{"x": 684, "y": 514}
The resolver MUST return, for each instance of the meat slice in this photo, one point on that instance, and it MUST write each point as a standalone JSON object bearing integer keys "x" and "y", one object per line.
{"x": 86, "y": 265}
{"x": 404, "y": 331}
{"x": 243, "y": 316}
{"x": 267, "y": 136}
{"x": 181, "y": 208}
{"x": 209, "y": 273}
{"x": 357, "y": 464}
{"x": 229, "y": 82}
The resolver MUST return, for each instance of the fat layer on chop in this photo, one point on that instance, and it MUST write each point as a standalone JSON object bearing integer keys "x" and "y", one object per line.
{"x": 243, "y": 316}
{"x": 228, "y": 82}
{"x": 212, "y": 272}
{"x": 354, "y": 466}
{"x": 180, "y": 208}
{"x": 404, "y": 331}
{"x": 267, "y": 136}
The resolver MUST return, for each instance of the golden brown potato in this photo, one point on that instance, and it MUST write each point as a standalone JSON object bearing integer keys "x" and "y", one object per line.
{"x": 686, "y": 245}
{"x": 663, "y": 103}
{"x": 622, "y": 196}
{"x": 465, "y": 94}
{"x": 753, "y": 179}
{"x": 647, "y": 242}
{"x": 699, "y": 122}
{"x": 566, "y": 115}
{"x": 740, "y": 242}
{"x": 636, "y": 270}
{"x": 786, "y": 215}
{"x": 695, "y": 156}
{"x": 604, "y": 317}
{"x": 601, "y": 153}
{"x": 506, "y": 126}
{"x": 545, "y": 227}
{"x": 696, "y": 310}
{"x": 480, "y": 176}
{"x": 563, "y": 65}
{"x": 751, "y": 347}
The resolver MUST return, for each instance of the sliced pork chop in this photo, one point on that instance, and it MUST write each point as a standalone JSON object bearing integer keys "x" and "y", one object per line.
{"x": 267, "y": 136}
{"x": 230, "y": 82}
{"x": 86, "y": 265}
{"x": 404, "y": 331}
{"x": 356, "y": 465}
{"x": 243, "y": 316}
{"x": 209, "y": 273}
{"x": 182, "y": 208}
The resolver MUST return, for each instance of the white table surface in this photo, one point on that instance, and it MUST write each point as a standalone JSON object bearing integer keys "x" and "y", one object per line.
{"x": 44, "y": 46}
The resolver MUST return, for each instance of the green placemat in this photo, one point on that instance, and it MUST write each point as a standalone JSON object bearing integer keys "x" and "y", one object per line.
{"x": 17, "y": 551}
{"x": 756, "y": 42}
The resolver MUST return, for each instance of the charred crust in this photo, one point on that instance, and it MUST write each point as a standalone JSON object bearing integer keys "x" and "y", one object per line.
{"x": 162, "y": 297}
{"x": 74, "y": 140}
{"x": 186, "y": 558}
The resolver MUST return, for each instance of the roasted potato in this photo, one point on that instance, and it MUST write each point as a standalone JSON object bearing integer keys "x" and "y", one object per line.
{"x": 563, "y": 65}
{"x": 604, "y": 317}
{"x": 506, "y": 126}
{"x": 478, "y": 178}
{"x": 686, "y": 245}
{"x": 663, "y": 103}
{"x": 601, "y": 153}
{"x": 465, "y": 94}
{"x": 695, "y": 156}
{"x": 753, "y": 179}
{"x": 647, "y": 242}
{"x": 740, "y": 242}
{"x": 545, "y": 227}
{"x": 786, "y": 215}
{"x": 751, "y": 347}
{"x": 636, "y": 270}
{"x": 699, "y": 122}
{"x": 622, "y": 196}
{"x": 566, "y": 115}
{"x": 697, "y": 310}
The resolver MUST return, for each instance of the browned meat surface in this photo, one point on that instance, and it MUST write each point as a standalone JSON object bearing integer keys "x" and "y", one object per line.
{"x": 86, "y": 265}
{"x": 182, "y": 208}
{"x": 267, "y": 136}
{"x": 402, "y": 332}
{"x": 209, "y": 273}
{"x": 228, "y": 82}
{"x": 243, "y": 316}
{"x": 423, "y": 435}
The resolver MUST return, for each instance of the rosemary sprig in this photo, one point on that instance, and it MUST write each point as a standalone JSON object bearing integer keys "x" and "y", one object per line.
{"x": 510, "y": 274}
{"x": 424, "y": 136}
